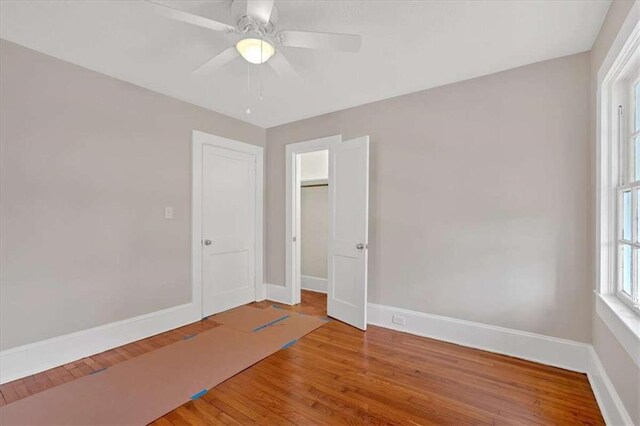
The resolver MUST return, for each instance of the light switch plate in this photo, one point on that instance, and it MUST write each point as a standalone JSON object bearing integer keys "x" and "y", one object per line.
{"x": 168, "y": 212}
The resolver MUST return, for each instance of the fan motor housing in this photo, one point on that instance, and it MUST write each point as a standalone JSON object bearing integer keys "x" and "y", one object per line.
{"x": 246, "y": 24}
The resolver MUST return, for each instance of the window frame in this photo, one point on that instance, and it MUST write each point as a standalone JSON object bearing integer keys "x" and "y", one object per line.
{"x": 627, "y": 133}
{"x": 619, "y": 318}
{"x": 619, "y": 68}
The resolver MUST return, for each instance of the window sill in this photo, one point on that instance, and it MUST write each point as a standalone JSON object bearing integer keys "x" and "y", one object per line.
{"x": 623, "y": 322}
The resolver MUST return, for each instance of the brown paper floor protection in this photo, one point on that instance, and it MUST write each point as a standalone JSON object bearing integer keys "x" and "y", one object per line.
{"x": 140, "y": 390}
{"x": 244, "y": 318}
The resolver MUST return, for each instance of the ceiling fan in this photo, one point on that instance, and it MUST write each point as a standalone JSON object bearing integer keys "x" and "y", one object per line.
{"x": 256, "y": 26}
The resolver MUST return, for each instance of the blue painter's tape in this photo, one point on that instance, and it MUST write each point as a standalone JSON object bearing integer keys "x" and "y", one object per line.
{"x": 199, "y": 394}
{"x": 288, "y": 345}
{"x": 278, "y": 307}
{"x": 270, "y": 323}
{"x": 327, "y": 319}
{"x": 97, "y": 371}
{"x": 279, "y": 319}
{"x": 191, "y": 336}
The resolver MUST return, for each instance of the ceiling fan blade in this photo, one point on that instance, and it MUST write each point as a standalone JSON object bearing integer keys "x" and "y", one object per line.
{"x": 324, "y": 41}
{"x": 189, "y": 18}
{"x": 260, "y": 10}
{"x": 282, "y": 67}
{"x": 217, "y": 61}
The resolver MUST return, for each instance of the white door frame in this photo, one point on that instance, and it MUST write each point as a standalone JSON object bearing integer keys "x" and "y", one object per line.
{"x": 292, "y": 265}
{"x": 199, "y": 139}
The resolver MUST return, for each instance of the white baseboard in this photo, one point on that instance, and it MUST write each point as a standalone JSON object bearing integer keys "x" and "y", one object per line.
{"x": 547, "y": 350}
{"x": 35, "y": 357}
{"x": 278, "y": 293}
{"x": 40, "y": 356}
{"x": 567, "y": 354}
{"x": 319, "y": 285}
{"x": 611, "y": 405}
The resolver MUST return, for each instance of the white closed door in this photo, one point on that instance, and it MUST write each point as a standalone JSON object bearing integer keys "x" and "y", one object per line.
{"x": 348, "y": 231}
{"x": 228, "y": 229}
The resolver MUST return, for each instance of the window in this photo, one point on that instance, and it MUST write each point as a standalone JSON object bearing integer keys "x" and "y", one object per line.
{"x": 628, "y": 191}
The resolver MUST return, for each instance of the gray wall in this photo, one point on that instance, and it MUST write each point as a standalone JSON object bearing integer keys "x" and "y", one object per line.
{"x": 88, "y": 164}
{"x": 620, "y": 368}
{"x": 314, "y": 222}
{"x": 479, "y": 197}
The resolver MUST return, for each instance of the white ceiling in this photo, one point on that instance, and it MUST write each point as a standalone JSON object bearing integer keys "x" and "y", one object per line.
{"x": 407, "y": 46}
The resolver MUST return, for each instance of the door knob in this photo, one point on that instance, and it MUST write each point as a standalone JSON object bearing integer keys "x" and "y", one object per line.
{"x": 207, "y": 242}
{"x": 360, "y": 246}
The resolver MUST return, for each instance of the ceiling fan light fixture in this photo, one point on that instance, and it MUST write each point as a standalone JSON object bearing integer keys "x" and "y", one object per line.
{"x": 255, "y": 50}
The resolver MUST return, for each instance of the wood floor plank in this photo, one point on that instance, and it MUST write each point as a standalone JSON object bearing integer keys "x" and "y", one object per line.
{"x": 9, "y": 393}
{"x": 234, "y": 406}
{"x": 262, "y": 403}
{"x": 176, "y": 419}
{"x": 413, "y": 358}
{"x": 350, "y": 383}
{"x": 316, "y": 411}
{"x": 331, "y": 393}
{"x": 162, "y": 421}
{"x": 196, "y": 417}
{"x": 446, "y": 377}
{"x": 340, "y": 375}
{"x": 445, "y": 384}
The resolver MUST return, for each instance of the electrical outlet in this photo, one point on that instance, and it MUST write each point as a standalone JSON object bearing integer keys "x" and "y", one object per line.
{"x": 397, "y": 319}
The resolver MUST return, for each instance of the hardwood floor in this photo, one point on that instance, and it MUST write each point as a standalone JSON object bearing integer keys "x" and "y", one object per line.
{"x": 340, "y": 375}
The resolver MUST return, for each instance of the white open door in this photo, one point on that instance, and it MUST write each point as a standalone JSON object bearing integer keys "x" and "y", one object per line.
{"x": 228, "y": 229}
{"x": 348, "y": 231}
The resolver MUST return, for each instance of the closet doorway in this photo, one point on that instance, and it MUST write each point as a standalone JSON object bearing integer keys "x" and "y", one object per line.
{"x": 314, "y": 220}
{"x": 327, "y": 224}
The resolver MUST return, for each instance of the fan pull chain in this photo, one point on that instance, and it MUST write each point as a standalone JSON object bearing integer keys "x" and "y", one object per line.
{"x": 248, "y": 111}
{"x": 260, "y": 68}
{"x": 248, "y": 88}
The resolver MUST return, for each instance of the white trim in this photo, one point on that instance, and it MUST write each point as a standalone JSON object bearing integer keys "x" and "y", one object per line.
{"x": 609, "y": 401}
{"x": 628, "y": 37}
{"x": 547, "y": 350}
{"x": 35, "y": 357}
{"x": 623, "y": 323}
{"x": 319, "y": 285}
{"x": 563, "y": 353}
{"x": 292, "y": 227}
{"x": 607, "y": 179}
{"x": 278, "y": 293}
{"x": 200, "y": 139}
